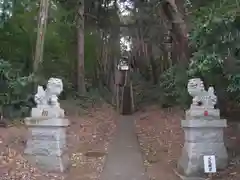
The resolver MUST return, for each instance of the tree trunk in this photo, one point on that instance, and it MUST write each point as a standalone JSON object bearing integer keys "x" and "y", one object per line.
{"x": 153, "y": 64}
{"x": 80, "y": 61}
{"x": 175, "y": 13}
{"x": 41, "y": 30}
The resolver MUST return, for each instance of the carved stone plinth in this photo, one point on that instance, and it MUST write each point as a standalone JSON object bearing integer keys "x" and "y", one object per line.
{"x": 202, "y": 137}
{"x": 46, "y": 145}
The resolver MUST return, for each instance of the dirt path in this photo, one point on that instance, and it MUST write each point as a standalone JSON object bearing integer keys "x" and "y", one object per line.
{"x": 124, "y": 161}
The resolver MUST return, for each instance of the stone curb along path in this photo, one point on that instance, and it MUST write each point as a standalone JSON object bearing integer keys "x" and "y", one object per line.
{"x": 124, "y": 161}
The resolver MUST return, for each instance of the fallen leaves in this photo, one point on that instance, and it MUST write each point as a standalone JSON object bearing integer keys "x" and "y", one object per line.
{"x": 7, "y": 157}
{"x": 161, "y": 140}
{"x": 88, "y": 138}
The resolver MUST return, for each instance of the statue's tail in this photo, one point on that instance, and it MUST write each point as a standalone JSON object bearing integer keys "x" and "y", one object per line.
{"x": 211, "y": 90}
{"x": 40, "y": 93}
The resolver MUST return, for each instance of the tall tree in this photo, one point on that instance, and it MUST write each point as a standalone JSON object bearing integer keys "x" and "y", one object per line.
{"x": 80, "y": 38}
{"x": 41, "y": 31}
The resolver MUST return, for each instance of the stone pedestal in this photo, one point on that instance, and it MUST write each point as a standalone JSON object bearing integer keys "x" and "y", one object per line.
{"x": 203, "y": 113}
{"x": 203, "y": 136}
{"x": 46, "y": 144}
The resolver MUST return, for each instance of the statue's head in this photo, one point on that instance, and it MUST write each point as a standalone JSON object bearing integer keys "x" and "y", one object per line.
{"x": 55, "y": 86}
{"x": 195, "y": 86}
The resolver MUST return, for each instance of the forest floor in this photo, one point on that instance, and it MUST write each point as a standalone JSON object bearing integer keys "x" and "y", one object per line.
{"x": 88, "y": 137}
{"x": 161, "y": 140}
{"x": 159, "y": 134}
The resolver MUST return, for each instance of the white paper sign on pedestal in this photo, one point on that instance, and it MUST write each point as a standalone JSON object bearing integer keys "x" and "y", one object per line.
{"x": 209, "y": 164}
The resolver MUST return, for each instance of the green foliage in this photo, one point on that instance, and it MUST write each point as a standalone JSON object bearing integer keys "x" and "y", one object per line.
{"x": 145, "y": 92}
{"x": 215, "y": 39}
{"x": 203, "y": 63}
{"x": 18, "y": 37}
{"x": 13, "y": 86}
{"x": 234, "y": 86}
{"x": 5, "y": 13}
{"x": 173, "y": 83}
{"x": 170, "y": 91}
{"x": 167, "y": 84}
{"x": 14, "y": 90}
{"x": 18, "y": 41}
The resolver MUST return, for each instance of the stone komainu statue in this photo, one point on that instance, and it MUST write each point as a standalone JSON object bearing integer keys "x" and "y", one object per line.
{"x": 49, "y": 97}
{"x": 201, "y": 97}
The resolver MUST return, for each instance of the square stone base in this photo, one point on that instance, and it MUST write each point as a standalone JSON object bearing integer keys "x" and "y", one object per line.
{"x": 46, "y": 143}
{"x": 202, "y": 137}
{"x": 49, "y": 163}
